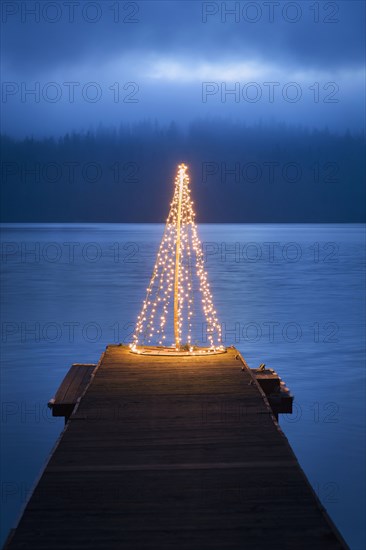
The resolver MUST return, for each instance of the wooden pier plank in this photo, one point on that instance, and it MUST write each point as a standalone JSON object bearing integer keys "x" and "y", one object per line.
{"x": 180, "y": 453}
{"x": 71, "y": 388}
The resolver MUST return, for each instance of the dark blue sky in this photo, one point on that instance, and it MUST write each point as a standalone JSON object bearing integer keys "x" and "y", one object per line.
{"x": 111, "y": 62}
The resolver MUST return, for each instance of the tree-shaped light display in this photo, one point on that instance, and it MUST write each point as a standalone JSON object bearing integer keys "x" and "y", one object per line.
{"x": 178, "y": 287}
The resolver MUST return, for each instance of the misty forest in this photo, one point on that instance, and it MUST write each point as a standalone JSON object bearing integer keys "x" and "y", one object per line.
{"x": 240, "y": 174}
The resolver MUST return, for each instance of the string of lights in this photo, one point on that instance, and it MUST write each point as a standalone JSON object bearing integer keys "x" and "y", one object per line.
{"x": 170, "y": 295}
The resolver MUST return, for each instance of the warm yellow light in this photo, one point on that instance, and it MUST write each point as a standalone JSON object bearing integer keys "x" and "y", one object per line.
{"x": 172, "y": 280}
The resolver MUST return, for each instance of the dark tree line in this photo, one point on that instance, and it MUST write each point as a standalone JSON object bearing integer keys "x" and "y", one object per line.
{"x": 239, "y": 174}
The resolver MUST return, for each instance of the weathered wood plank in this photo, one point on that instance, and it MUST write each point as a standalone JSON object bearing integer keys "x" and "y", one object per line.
{"x": 71, "y": 389}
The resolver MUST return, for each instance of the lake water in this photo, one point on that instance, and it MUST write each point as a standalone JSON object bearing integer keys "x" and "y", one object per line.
{"x": 291, "y": 296}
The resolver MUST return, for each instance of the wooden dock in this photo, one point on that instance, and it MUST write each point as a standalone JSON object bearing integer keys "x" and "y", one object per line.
{"x": 172, "y": 453}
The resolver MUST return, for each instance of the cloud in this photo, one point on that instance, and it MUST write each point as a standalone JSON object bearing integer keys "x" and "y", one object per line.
{"x": 169, "y": 48}
{"x": 178, "y": 71}
{"x": 182, "y": 29}
{"x": 173, "y": 70}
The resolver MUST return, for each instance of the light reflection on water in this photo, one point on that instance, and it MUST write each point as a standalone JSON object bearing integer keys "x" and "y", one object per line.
{"x": 291, "y": 296}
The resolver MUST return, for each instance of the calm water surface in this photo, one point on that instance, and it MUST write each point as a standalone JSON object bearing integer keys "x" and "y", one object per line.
{"x": 291, "y": 296}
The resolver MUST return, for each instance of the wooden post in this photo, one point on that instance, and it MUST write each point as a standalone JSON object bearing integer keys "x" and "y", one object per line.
{"x": 182, "y": 171}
